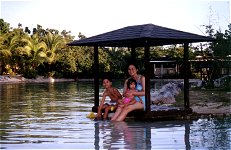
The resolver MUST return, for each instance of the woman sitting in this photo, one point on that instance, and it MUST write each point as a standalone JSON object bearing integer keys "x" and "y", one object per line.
{"x": 122, "y": 112}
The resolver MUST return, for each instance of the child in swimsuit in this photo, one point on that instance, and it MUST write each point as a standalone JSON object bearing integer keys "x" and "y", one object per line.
{"x": 114, "y": 95}
{"x": 131, "y": 84}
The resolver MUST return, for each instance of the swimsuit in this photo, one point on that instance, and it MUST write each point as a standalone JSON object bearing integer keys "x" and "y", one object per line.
{"x": 112, "y": 102}
{"x": 139, "y": 88}
{"x": 127, "y": 100}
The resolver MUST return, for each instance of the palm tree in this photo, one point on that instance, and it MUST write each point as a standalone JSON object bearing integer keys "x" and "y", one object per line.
{"x": 54, "y": 43}
{"x": 5, "y": 53}
{"x": 35, "y": 50}
{"x": 10, "y": 47}
{"x": 15, "y": 43}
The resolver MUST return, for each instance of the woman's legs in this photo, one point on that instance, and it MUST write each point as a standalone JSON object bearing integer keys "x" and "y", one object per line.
{"x": 128, "y": 109}
{"x": 117, "y": 113}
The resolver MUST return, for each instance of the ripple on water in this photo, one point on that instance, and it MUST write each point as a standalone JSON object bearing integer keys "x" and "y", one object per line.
{"x": 48, "y": 116}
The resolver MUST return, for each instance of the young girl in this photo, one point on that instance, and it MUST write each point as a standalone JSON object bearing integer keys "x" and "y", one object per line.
{"x": 114, "y": 95}
{"x": 129, "y": 99}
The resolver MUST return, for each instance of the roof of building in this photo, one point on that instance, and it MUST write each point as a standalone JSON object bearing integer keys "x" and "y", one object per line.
{"x": 141, "y": 35}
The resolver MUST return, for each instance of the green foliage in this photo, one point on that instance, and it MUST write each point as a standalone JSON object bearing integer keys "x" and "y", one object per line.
{"x": 214, "y": 55}
{"x": 30, "y": 73}
{"x": 66, "y": 62}
{"x": 4, "y": 27}
{"x": 222, "y": 45}
{"x": 44, "y": 52}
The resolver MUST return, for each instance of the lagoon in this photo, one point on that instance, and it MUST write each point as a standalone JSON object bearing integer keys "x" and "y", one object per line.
{"x": 53, "y": 116}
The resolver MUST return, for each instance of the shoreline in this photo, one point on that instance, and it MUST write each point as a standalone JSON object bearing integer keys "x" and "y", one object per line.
{"x": 40, "y": 79}
{"x": 219, "y": 110}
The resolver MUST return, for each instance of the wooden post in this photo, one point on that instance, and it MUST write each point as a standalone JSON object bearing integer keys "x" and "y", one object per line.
{"x": 96, "y": 75}
{"x": 186, "y": 75}
{"x": 147, "y": 78}
{"x": 187, "y": 136}
{"x": 97, "y": 138}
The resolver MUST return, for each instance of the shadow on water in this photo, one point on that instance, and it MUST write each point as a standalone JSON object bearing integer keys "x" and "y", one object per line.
{"x": 53, "y": 116}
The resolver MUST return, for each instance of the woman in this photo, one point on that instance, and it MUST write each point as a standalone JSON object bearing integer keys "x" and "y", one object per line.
{"x": 121, "y": 113}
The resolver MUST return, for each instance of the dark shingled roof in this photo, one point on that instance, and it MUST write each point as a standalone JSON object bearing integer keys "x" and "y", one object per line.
{"x": 139, "y": 35}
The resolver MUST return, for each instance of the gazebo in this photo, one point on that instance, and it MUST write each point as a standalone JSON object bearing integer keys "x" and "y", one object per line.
{"x": 145, "y": 35}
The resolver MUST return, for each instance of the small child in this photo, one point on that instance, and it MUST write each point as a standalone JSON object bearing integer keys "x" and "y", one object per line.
{"x": 114, "y": 95}
{"x": 131, "y": 84}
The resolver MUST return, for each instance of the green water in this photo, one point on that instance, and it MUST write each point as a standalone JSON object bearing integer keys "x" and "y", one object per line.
{"x": 53, "y": 116}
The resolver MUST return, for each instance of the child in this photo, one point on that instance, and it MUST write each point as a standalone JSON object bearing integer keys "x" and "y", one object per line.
{"x": 131, "y": 84}
{"x": 114, "y": 95}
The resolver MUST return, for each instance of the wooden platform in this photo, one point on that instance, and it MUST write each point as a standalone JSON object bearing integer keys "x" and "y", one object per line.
{"x": 173, "y": 113}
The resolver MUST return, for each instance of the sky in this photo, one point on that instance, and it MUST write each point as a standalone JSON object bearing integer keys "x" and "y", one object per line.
{"x": 93, "y": 17}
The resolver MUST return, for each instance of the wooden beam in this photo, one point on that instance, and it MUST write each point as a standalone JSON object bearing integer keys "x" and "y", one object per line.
{"x": 186, "y": 75}
{"x": 147, "y": 78}
{"x": 96, "y": 75}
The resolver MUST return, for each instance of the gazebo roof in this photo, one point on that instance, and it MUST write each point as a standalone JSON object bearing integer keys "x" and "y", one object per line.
{"x": 141, "y": 35}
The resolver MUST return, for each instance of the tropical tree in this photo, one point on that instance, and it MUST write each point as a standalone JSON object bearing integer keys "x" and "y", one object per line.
{"x": 35, "y": 49}
{"x": 216, "y": 51}
{"x": 5, "y": 53}
{"x": 67, "y": 36}
{"x": 112, "y": 60}
{"x": 222, "y": 45}
{"x": 54, "y": 42}
{"x": 66, "y": 63}
{"x": 10, "y": 41}
{"x": 4, "y": 27}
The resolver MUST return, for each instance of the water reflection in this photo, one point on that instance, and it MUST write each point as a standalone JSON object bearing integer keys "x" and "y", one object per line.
{"x": 142, "y": 135}
{"x": 135, "y": 136}
{"x": 211, "y": 133}
{"x": 53, "y": 116}
{"x": 118, "y": 135}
